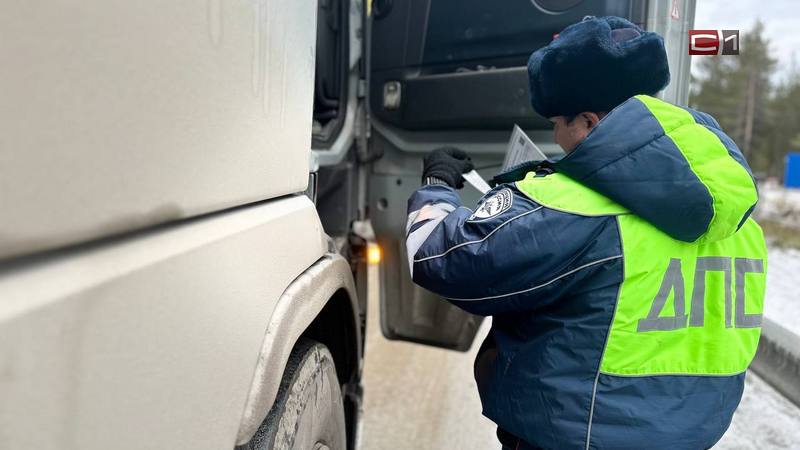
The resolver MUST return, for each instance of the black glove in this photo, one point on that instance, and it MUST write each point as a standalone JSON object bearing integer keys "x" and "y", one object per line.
{"x": 447, "y": 164}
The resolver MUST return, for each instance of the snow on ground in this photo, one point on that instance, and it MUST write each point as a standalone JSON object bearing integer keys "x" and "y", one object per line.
{"x": 782, "y": 302}
{"x": 781, "y": 206}
{"x": 765, "y": 420}
{"x": 778, "y": 204}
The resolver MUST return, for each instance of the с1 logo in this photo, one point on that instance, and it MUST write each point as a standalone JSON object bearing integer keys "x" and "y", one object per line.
{"x": 713, "y": 42}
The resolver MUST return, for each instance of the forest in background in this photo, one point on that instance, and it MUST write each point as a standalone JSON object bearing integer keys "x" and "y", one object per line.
{"x": 759, "y": 113}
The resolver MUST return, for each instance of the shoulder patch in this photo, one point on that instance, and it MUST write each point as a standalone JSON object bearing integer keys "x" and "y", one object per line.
{"x": 492, "y": 206}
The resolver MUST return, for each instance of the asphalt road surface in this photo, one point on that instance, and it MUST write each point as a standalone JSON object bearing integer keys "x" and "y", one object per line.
{"x": 422, "y": 398}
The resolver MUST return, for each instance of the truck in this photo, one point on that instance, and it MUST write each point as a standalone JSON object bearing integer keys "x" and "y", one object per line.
{"x": 188, "y": 191}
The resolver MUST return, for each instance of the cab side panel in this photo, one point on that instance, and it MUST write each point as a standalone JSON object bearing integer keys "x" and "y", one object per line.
{"x": 116, "y": 115}
{"x": 149, "y": 341}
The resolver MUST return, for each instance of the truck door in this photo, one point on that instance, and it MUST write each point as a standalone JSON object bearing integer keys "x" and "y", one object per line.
{"x": 453, "y": 72}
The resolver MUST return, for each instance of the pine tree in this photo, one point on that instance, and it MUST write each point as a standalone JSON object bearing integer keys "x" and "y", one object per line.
{"x": 784, "y": 123}
{"x": 736, "y": 91}
{"x": 714, "y": 91}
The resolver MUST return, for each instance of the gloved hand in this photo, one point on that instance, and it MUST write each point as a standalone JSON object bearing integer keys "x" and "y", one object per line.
{"x": 447, "y": 164}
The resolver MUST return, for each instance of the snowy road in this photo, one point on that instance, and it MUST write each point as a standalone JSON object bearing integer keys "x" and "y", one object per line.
{"x": 422, "y": 398}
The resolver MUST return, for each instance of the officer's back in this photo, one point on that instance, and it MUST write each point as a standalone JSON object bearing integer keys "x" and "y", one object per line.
{"x": 626, "y": 280}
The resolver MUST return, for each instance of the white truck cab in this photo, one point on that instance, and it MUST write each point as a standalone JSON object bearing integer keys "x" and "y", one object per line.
{"x": 186, "y": 190}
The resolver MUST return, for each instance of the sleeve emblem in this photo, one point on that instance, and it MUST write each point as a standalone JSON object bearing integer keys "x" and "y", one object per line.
{"x": 493, "y": 205}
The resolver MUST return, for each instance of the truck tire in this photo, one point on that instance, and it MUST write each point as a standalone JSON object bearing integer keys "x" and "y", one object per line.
{"x": 308, "y": 413}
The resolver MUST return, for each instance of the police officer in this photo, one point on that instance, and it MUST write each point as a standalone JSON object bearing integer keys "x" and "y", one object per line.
{"x": 626, "y": 280}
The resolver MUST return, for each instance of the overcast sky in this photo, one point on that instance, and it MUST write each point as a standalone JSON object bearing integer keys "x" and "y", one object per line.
{"x": 781, "y": 20}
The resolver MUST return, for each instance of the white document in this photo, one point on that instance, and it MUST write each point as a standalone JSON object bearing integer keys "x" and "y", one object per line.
{"x": 521, "y": 149}
{"x": 472, "y": 177}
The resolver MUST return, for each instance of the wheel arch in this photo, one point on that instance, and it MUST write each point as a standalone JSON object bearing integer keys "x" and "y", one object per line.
{"x": 318, "y": 299}
{"x": 340, "y": 341}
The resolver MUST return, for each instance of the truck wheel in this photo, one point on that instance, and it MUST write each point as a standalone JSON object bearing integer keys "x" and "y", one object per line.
{"x": 308, "y": 413}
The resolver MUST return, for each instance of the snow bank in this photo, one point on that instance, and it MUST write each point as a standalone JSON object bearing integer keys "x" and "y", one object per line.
{"x": 778, "y": 204}
{"x": 764, "y": 420}
{"x": 782, "y": 302}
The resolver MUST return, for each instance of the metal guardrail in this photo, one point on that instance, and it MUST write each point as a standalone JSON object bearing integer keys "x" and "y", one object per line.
{"x": 778, "y": 359}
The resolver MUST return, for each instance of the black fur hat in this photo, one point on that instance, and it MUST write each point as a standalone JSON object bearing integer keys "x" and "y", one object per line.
{"x": 594, "y": 65}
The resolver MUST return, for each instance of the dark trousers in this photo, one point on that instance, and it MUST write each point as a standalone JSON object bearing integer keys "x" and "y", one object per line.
{"x": 508, "y": 440}
{"x": 511, "y": 442}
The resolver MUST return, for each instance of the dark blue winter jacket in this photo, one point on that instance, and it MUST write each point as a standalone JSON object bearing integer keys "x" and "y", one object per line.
{"x": 625, "y": 283}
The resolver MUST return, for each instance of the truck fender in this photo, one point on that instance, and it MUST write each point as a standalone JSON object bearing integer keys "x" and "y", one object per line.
{"x": 297, "y": 308}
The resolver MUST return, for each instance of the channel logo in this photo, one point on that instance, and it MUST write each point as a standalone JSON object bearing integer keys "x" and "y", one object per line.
{"x": 713, "y": 42}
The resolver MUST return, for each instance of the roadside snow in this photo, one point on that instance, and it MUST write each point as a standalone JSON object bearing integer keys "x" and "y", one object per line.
{"x": 778, "y": 204}
{"x": 782, "y": 302}
{"x": 765, "y": 420}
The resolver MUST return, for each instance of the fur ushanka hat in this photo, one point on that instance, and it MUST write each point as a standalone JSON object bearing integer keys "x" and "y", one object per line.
{"x": 594, "y": 65}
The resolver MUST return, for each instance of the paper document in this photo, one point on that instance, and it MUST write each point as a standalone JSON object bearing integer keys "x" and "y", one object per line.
{"x": 521, "y": 149}
{"x": 472, "y": 177}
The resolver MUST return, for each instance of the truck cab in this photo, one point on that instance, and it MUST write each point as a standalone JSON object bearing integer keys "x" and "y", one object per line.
{"x": 453, "y": 73}
{"x": 188, "y": 192}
